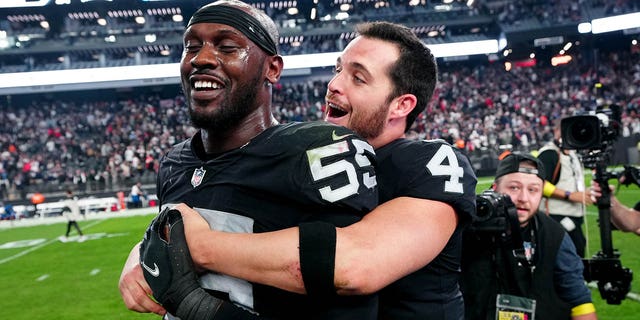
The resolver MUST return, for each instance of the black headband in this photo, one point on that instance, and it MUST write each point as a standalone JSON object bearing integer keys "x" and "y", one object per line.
{"x": 234, "y": 17}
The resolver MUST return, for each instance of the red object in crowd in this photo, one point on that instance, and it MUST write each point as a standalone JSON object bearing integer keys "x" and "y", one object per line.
{"x": 544, "y": 120}
{"x": 37, "y": 198}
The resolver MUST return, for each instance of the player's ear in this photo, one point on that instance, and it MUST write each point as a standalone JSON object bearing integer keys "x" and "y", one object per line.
{"x": 403, "y": 105}
{"x": 274, "y": 68}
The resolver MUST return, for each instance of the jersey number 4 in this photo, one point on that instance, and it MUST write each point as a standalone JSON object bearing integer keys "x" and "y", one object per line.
{"x": 342, "y": 166}
{"x": 445, "y": 163}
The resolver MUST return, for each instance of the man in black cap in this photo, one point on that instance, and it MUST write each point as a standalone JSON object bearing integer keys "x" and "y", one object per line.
{"x": 530, "y": 272}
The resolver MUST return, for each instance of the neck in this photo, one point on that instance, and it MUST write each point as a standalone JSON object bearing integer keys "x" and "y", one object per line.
{"x": 218, "y": 142}
{"x": 389, "y": 134}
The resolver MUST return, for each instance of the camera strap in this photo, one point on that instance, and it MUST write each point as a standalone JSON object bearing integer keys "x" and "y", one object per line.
{"x": 513, "y": 237}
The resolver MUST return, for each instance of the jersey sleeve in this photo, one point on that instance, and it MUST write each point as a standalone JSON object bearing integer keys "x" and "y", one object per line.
{"x": 337, "y": 168}
{"x": 435, "y": 170}
{"x": 319, "y": 165}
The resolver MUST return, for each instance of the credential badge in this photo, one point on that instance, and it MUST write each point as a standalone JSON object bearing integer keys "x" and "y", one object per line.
{"x": 198, "y": 176}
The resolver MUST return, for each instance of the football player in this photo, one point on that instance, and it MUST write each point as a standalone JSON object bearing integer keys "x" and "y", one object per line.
{"x": 409, "y": 246}
{"x": 245, "y": 173}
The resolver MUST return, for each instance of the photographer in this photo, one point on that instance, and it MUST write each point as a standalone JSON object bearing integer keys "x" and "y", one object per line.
{"x": 624, "y": 218}
{"x": 530, "y": 269}
{"x": 565, "y": 197}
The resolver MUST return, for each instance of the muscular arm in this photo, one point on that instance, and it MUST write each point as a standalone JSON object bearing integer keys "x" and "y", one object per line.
{"x": 397, "y": 238}
{"x": 624, "y": 218}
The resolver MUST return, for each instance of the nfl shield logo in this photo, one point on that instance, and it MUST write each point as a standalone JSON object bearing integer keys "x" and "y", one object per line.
{"x": 197, "y": 177}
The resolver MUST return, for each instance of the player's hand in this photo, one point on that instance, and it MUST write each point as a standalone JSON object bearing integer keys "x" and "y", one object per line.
{"x": 197, "y": 232}
{"x": 169, "y": 271}
{"x": 134, "y": 289}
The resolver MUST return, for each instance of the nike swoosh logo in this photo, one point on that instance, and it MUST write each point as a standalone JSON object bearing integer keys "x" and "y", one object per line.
{"x": 154, "y": 272}
{"x": 336, "y": 137}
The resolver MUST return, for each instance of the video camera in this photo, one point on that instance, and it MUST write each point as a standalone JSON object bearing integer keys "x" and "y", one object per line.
{"x": 593, "y": 136}
{"x": 592, "y": 133}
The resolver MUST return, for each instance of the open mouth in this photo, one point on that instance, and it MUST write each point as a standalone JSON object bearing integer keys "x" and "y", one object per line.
{"x": 335, "y": 111}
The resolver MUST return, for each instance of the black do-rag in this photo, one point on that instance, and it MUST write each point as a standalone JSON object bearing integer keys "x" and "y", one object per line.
{"x": 239, "y": 19}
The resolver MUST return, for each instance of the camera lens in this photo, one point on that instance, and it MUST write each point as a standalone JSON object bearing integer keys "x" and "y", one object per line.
{"x": 581, "y": 132}
{"x": 484, "y": 208}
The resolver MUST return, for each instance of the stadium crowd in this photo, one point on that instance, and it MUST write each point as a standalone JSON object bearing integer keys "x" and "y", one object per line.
{"x": 109, "y": 144}
{"x": 508, "y": 15}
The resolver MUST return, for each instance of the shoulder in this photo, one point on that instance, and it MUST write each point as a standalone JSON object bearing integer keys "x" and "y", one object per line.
{"x": 438, "y": 156}
{"x": 180, "y": 150}
{"x": 418, "y": 148}
{"x": 549, "y": 152}
{"x": 294, "y": 138}
{"x": 432, "y": 170}
{"x": 313, "y": 131}
{"x": 552, "y": 228}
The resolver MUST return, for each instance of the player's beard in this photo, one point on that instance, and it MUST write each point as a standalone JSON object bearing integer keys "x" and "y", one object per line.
{"x": 369, "y": 125}
{"x": 230, "y": 112}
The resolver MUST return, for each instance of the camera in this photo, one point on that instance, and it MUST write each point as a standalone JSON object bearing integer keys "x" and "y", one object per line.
{"x": 593, "y": 136}
{"x": 630, "y": 174}
{"x": 592, "y": 133}
{"x": 497, "y": 218}
{"x": 495, "y": 212}
{"x": 614, "y": 280}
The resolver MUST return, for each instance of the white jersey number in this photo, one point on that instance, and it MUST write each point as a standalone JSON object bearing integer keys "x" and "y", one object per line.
{"x": 438, "y": 167}
{"x": 320, "y": 171}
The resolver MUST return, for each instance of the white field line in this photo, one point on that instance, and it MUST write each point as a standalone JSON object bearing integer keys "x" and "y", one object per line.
{"x": 46, "y": 243}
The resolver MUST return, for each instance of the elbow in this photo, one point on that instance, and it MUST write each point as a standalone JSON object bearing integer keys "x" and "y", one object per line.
{"x": 356, "y": 280}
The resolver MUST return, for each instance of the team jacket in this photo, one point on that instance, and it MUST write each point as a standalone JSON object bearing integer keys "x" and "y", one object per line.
{"x": 286, "y": 175}
{"x": 436, "y": 171}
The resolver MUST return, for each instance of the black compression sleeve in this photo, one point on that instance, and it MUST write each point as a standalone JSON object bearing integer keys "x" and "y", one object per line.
{"x": 317, "y": 258}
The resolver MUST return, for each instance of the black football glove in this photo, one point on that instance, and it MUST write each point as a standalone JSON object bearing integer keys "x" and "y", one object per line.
{"x": 169, "y": 271}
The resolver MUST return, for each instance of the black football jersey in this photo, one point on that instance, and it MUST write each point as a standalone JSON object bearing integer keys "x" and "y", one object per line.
{"x": 286, "y": 175}
{"x": 431, "y": 170}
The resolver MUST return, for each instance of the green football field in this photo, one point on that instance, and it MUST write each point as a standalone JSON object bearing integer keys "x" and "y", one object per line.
{"x": 43, "y": 278}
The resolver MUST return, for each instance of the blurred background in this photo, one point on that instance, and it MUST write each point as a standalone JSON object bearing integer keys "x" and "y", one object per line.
{"x": 90, "y": 96}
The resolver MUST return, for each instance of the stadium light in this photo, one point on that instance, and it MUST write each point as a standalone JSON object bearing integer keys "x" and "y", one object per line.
{"x": 23, "y": 3}
{"x": 584, "y": 27}
{"x": 110, "y": 77}
{"x": 465, "y": 48}
{"x": 615, "y": 23}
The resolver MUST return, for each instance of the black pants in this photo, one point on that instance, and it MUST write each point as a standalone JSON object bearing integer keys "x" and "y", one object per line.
{"x": 75, "y": 224}
{"x": 576, "y": 234}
